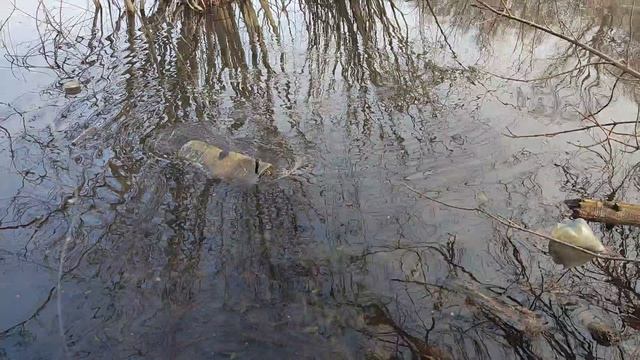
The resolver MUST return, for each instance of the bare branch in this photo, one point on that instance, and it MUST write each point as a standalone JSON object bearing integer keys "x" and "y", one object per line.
{"x": 433, "y": 13}
{"x": 635, "y": 73}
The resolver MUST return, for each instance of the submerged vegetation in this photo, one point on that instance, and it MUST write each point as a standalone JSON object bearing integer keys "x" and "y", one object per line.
{"x": 412, "y": 118}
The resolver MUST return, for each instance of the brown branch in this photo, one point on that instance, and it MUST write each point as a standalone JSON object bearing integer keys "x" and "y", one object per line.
{"x": 511, "y": 224}
{"x": 635, "y": 73}
{"x": 608, "y": 212}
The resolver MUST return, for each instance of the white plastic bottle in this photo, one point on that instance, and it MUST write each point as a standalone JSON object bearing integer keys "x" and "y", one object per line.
{"x": 576, "y": 232}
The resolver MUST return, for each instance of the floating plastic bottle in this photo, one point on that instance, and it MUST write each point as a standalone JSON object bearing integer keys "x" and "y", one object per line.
{"x": 72, "y": 87}
{"x": 225, "y": 165}
{"x": 576, "y": 232}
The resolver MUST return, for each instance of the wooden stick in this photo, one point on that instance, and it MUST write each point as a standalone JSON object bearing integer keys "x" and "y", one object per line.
{"x": 608, "y": 212}
{"x": 635, "y": 73}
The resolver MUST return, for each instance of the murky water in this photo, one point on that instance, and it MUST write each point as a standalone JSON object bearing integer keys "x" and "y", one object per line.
{"x": 113, "y": 247}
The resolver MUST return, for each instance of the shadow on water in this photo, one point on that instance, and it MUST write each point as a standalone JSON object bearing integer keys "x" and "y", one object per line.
{"x": 113, "y": 247}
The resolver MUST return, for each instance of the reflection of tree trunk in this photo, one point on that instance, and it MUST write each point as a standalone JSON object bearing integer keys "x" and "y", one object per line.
{"x": 226, "y": 29}
{"x": 269, "y": 15}
{"x": 130, "y": 7}
{"x": 255, "y": 34}
{"x": 131, "y": 36}
{"x": 210, "y": 50}
{"x": 187, "y": 71}
{"x": 253, "y": 28}
{"x": 183, "y": 257}
{"x": 264, "y": 239}
{"x": 142, "y": 8}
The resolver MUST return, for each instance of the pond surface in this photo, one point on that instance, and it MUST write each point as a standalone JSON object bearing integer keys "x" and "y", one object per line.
{"x": 113, "y": 247}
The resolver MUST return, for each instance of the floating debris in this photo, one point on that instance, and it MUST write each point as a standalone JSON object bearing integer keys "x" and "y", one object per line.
{"x": 72, "y": 87}
{"x": 602, "y": 332}
{"x": 222, "y": 164}
{"x": 377, "y": 316}
{"x": 498, "y": 309}
{"x": 576, "y": 232}
{"x": 86, "y": 134}
{"x": 482, "y": 198}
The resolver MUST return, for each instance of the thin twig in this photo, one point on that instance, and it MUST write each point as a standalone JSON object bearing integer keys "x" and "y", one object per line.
{"x": 13, "y": 10}
{"x": 552, "y": 134}
{"x": 514, "y": 225}
{"x": 20, "y": 226}
{"x": 33, "y": 315}
{"x": 550, "y": 76}
{"x": 635, "y": 73}
{"x": 433, "y": 13}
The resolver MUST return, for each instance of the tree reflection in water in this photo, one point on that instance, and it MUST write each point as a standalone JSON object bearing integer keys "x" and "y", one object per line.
{"x": 147, "y": 257}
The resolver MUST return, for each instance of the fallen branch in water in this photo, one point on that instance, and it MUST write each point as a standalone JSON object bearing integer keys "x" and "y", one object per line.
{"x": 635, "y": 73}
{"x": 514, "y": 225}
{"x": 608, "y": 212}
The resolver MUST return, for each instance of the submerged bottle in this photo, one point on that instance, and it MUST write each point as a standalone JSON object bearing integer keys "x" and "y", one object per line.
{"x": 225, "y": 165}
{"x": 575, "y": 232}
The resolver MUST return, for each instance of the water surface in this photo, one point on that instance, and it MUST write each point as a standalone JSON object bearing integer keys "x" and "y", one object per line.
{"x": 113, "y": 247}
